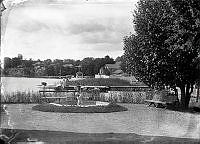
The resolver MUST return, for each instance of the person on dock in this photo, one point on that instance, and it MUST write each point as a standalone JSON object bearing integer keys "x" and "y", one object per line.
{"x": 63, "y": 83}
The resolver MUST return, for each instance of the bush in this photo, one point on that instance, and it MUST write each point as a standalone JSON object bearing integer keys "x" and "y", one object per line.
{"x": 124, "y": 97}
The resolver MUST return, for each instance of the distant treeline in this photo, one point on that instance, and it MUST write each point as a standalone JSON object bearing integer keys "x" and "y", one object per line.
{"x": 37, "y": 68}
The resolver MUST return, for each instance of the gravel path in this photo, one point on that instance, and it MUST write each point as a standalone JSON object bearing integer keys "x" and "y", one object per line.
{"x": 139, "y": 119}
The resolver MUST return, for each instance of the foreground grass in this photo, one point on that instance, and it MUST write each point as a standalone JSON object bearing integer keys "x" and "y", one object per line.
{"x": 53, "y": 137}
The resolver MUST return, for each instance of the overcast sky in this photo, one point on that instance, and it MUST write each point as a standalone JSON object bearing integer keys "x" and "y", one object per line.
{"x": 64, "y": 29}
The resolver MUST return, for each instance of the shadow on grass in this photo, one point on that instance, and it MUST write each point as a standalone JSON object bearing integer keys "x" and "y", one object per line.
{"x": 53, "y": 137}
{"x": 193, "y": 110}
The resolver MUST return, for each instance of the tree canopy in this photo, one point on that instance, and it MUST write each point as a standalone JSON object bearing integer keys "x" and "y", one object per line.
{"x": 163, "y": 49}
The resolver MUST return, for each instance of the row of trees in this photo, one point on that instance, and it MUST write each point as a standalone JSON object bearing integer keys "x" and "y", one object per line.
{"x": 164, "y": 49}
{"x": 89, "y": 66}
{"x": 11, "y": 63}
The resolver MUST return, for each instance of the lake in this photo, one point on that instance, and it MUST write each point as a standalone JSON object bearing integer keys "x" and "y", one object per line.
{"x": 13, "y": 84}
{"x": 22, "y": 84}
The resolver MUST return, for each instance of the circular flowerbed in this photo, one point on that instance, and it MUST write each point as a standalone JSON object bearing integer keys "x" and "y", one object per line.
{"x": 101, "y": 108}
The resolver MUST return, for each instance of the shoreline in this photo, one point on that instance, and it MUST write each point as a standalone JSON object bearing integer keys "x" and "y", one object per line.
{"x": 48, "y": 77}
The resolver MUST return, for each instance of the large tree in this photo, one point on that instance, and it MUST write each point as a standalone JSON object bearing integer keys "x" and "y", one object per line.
{"x": 90, "y": 66}
{"x": 87, "y": 65}
{"x": 163, "y": 49}
{"x": 28, "y": 67}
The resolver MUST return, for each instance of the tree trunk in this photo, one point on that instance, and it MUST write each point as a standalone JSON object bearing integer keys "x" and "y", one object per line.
{"x": 186, "y": 95}
{"x": 189, "y": 90}
{"x": 176, "y": 92}
{"x": 183, "y": 97}
{"x": 197, "y": 93}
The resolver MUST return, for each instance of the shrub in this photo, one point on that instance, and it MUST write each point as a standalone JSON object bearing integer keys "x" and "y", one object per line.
{"x": 124, "y": 97}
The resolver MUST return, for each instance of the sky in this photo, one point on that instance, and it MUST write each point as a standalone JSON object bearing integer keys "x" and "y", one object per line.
{"x": 65, "y": 29}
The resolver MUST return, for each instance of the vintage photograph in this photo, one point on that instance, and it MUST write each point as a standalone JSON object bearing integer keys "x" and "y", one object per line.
{"x": 100, "y": 72}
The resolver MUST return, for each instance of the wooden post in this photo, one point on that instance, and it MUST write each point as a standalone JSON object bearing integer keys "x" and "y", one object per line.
{"x": 43, "y": 91}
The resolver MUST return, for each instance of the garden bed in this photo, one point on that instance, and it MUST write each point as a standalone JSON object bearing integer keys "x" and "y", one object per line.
{"x": 112, "y": 107}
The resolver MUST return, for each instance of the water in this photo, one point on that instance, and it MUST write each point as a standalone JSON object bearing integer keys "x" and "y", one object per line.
{"x": 22, "y": 84}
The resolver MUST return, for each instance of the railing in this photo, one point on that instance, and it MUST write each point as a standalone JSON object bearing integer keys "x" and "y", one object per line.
{"x": 128, "y": 88}
{"x": 101, "y": 88}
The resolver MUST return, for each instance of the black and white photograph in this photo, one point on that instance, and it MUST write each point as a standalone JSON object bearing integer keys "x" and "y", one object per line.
{"x": 100, "y": 72}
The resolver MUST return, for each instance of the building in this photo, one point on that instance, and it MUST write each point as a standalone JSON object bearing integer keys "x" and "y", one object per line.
{"x": 68, "y": 65}
{"x": 114, "y": 71}
{"x": 111, "y": 69}
{"x": 20, "y": 56}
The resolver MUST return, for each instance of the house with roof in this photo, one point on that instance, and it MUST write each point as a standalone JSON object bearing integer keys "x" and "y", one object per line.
{"x": 114, "y": 71}
{"x": 111, "y": 69}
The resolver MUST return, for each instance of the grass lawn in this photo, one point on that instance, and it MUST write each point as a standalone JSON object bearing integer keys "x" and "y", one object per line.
{"x": 139, "y": 124}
